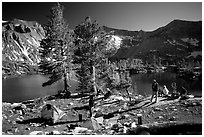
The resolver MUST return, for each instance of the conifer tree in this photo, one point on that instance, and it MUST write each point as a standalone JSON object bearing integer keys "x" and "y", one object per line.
{"x": 90, "y": 54}
{"x": 56, "y": 49}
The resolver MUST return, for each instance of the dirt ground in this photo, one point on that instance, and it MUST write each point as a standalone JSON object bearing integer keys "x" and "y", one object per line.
{"x": 114, "y": 110}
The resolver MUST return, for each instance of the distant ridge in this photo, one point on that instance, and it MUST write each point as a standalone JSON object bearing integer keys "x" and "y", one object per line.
{"x": 173, "y": 42}
{"x": 176, "y": 40}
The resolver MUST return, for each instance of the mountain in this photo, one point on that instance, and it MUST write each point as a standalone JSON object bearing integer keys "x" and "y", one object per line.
{"x": 176, "y": 40}
{"x": 20, "y": 42}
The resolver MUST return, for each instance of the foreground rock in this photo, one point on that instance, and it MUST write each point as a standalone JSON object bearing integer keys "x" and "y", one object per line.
{"x": 114, "y": 115}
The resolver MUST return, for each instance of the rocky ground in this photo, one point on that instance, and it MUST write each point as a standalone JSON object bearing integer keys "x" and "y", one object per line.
{"x": 115, "y": 115}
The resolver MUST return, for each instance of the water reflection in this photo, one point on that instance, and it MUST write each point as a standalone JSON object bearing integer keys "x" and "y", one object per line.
{"x": 29, "y": 87}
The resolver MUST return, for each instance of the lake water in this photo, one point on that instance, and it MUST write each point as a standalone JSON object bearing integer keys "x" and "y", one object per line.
{"x": 142, "y": 83}
{"x": 29, "y": 87}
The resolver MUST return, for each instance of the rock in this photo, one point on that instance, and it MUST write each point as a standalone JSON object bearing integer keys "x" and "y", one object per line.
{"x": 113, "y": 121}
{"x": 152, "y": 112}
{"x": 96, "y": 109}
{"x": 120, "y": 110}
{"x": 127, "y": 116}
{"x": 4, "y": 116}
{"x": 174, "y": 109}
{"x": 117, "y": 97}
{"x": 115, "y": 127}
{"x": 55, "y": 132}
{"x": 111, "y": 132}
{"x": 120, "y": 130}
{"x": 131, "y": 113}
{"x": 95, "y": 123}
{"x": 194, "y": 104}
{"x": 10, "y": 111}
{"x": 133, "y": 125}
{"x": 27, "y": 128}
{"x": 71, "y": 103}
{"x": 35, "y": 124}
{"x": 125, "y": 129}
{"x": 78, "y": 130}
{"x": 15, "y": 105}
{"x": 13, "y": 122}
{"x": 19, "y": 119}
{"x": 127, "y": 124}
{"x": 46, "y": 133}
{"x": 16, "y": 130}
{"x": 9, "y": 133}
{"x": 98, "y": 114}
{"x": 172, "y": 118}
{"x": 100, "y": 120}
{"x": 160, "y": 117}
{"x": 6, "y": 104}
{"x": 23, "y": 106}
{"x": 125, "y": 106}
{"x": 36, "y": 133}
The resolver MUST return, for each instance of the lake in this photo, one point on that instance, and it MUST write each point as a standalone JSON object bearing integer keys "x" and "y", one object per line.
{"x": 29, "y": 87}
{"x": 142, "y": 83}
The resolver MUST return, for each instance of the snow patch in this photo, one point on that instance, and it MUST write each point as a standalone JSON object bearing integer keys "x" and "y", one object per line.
{"x": 114, "y": 43}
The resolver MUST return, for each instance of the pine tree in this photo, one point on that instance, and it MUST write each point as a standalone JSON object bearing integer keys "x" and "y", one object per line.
{"x": 90, "y": 54}
{"x": 56, "y": 49}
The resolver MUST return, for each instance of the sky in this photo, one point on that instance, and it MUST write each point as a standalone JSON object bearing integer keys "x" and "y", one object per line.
{"x": 147, "y": 16}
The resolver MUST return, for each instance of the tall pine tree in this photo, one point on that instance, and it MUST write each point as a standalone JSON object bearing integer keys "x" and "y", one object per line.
{"x": 56, "y": 49}
{"x": 90, "y": 54}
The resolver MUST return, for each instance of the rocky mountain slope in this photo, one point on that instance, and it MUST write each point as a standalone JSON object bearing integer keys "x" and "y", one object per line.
{"x": 176, "y": 40}
{"x": 20, "y": 42}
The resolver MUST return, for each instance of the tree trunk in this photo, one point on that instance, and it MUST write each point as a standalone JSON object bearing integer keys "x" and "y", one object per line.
{"x": 128, "y": 94}
{"x": 66, "y": 85}
{"x": 65, "y": 82}
{"x": 94, "y": 80}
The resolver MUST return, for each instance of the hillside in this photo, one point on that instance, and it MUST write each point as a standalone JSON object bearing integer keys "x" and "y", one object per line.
{"x": 176, "y": 40}
{"x": 20, "y": 42}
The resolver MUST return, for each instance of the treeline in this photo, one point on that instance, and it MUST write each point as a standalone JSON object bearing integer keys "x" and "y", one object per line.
{"x": 84, "y": 50}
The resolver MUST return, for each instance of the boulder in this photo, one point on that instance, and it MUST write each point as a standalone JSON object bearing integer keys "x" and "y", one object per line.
{"x": 55, "y": 132}
{"x": 112, "y": 121}
{"x": 172, "y": 118}
{"x": 79, "y": 130}
{"x": 99, "y": 120}
{"x": 160, "y": 117}
{"x": 115, "y": 127}
{"x": 111, "y": 132}
{"x": 36, "y": 133}
{"x": 133, "y": 125}
{"x": 95, "y": 123}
